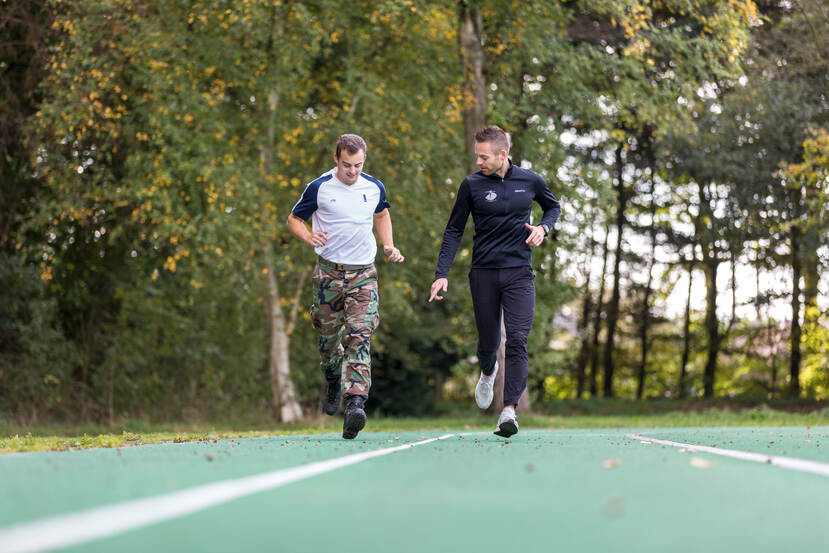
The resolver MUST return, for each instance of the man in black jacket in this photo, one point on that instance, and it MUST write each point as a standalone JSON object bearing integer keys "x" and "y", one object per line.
{"x": 501, "y": 279}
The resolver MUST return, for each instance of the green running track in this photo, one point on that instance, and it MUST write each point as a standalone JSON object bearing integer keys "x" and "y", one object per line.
{"x": 557, "y": 491}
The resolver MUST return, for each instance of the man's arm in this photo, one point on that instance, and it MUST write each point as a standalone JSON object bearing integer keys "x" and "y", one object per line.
{"x": 451, "y": 240}
{"x": 299, "y": 229}
{"x": 454, "y": 230}
{"x": 382, "y": 222}
{"x": 549, "y": 203}
{"x": 551, "y": 208}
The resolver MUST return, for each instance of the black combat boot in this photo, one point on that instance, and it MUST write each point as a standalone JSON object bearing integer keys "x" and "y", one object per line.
{"x": 355, "y": 417}
{"x": 333, "y": 397}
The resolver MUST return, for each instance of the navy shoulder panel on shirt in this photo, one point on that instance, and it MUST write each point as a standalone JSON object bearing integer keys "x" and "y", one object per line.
{"x": 307, "y": 204}
{"x": 383, "y": 203}
{"x": 372, "y": 179}
{"x": 321, "y": 179}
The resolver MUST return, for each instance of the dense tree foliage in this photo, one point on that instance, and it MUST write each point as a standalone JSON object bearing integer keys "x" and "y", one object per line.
{"x": 153, "y": 150}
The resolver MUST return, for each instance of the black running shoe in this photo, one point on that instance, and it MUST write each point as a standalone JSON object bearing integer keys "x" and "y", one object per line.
{"x": 355, "y": 417}
{"x": 333, "y": 397}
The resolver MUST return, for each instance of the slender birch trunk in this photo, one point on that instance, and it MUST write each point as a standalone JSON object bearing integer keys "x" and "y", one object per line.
{"x": 283, "y": 396}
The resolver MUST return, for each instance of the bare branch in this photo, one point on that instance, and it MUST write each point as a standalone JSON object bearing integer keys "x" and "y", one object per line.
{"x": 808, "y": 21}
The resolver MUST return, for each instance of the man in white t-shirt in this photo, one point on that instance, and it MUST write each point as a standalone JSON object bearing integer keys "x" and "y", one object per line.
{"x": 344, "y": 205}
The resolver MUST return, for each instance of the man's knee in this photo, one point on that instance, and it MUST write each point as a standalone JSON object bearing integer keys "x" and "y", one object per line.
{"x": 329, "y": 340}
{"x": 517, "y": 342}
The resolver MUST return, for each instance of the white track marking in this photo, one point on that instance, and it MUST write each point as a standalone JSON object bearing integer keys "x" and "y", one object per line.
{"x": 791, "y": 463}
{"x": 75, "y": 528}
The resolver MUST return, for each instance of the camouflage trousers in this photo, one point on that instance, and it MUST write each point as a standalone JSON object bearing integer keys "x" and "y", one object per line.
{"x": 345, "y": 312}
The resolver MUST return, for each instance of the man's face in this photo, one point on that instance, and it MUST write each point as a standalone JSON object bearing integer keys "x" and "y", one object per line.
{"x": 349, "y": 166}
{"x": 489, "y": 161}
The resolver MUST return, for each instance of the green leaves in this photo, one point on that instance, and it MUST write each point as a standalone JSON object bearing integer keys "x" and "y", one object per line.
{"x": 172, "y": 139}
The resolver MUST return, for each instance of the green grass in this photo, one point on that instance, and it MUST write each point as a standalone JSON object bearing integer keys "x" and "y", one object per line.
{"x": 571, "y": 414}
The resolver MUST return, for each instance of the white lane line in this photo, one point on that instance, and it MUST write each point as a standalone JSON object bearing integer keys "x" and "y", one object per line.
{"x": 75, "y": 528}
{"x": 791, "y": 463}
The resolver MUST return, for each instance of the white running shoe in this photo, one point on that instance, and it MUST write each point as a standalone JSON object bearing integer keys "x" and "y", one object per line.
{"x": 507, "y": 425}
{"x": 483, "y": 391}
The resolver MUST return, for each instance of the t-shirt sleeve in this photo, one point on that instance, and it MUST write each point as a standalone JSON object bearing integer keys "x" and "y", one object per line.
{"x": 307, "y": 204}
{"x": 383, "y": 203}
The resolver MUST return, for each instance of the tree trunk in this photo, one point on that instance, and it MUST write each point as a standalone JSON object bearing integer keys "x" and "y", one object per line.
{"x": 440, "y": 381}
{"x": 712, "y": 325}
{"x": 470, "y": 31}
{"x": 470, "y": 42}
{"x": 283, "y": 397}
{"x": 686, "y": 337}
{"x": 644, "y": 327}
{"x": 811, "y": 279}
{"x": 584, "y": 328}
{"x": 613, "y": 311}
{"x": 710, "y": 265}
{"x": 794, "y": 362}
{"x": 597, "y": 321}
{"x": 773, "y": 373}
{"x": 769, "y": 328}
{"x": 584, "y": 350}
{"x": 646, "y": 310}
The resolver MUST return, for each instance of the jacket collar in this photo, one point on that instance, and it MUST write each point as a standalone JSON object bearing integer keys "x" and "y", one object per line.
{"x": 507, "y": 175}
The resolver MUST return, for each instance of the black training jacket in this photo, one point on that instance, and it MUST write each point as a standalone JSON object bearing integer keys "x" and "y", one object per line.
{"x": 499, "y": 207}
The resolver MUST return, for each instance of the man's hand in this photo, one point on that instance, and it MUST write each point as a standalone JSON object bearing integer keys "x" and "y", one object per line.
{"x": 318, "y": 239}
{"x": 393, "y": 254}
{"x": 299, "y": 229}
{"x": 536, "y": 236}
{"x": 439, "y": 285}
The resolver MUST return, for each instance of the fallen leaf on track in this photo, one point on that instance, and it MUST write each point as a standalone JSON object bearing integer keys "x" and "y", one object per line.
{"x": 701, "y": 463}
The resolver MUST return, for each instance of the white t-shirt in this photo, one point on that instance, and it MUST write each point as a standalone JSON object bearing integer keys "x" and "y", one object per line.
{"x": 346, "y": 212}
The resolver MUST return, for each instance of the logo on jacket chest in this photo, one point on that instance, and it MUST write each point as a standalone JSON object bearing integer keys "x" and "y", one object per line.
{"x": 490, "y": 196}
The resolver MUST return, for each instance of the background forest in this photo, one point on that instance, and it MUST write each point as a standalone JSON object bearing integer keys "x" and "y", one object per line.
{"x": 152, "y": 150}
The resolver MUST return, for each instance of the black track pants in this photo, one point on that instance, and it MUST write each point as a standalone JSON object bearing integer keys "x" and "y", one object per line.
{"x": 513, "y": 291}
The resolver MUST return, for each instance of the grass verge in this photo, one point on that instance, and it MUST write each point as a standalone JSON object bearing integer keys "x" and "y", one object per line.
{"x": 66, "y": 437}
